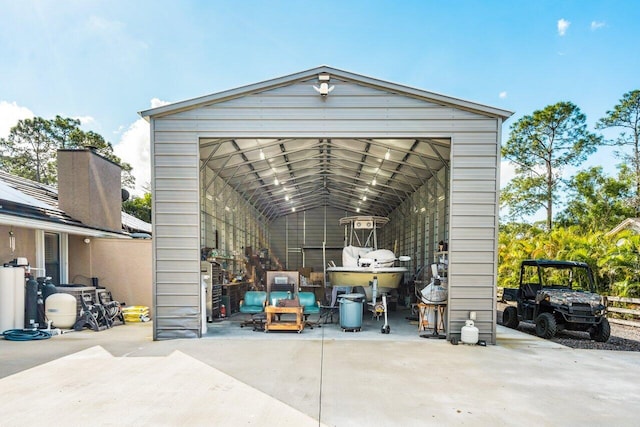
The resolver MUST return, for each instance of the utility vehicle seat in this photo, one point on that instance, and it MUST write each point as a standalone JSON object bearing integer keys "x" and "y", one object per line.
{"x": 529, "y": 290}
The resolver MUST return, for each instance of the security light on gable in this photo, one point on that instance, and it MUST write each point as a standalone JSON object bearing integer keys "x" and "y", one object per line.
{"x": 324, "y": 88}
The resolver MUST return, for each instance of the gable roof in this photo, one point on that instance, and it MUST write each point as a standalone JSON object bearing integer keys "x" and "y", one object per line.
{"x": 629, "y": 223}
{"x": 31, "y": 204}
{"x": 302, "y": 173}
{"x": 303, "y": 75}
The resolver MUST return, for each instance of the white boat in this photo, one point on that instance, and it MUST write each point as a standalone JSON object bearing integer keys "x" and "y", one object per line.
{"x": 362, "y": 262}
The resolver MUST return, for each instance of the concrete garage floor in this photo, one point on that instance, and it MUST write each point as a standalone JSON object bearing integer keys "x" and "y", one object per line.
{"x": 322, "y": 376}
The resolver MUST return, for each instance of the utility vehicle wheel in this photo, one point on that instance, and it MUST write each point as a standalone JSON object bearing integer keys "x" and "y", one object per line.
{"x": 510, "y": 317}
{"x": 546, "y": 326}
{"x": 601, "y": 332}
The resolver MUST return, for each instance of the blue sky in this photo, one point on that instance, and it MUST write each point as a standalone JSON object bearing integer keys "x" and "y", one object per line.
{"x": 103, "y": 61}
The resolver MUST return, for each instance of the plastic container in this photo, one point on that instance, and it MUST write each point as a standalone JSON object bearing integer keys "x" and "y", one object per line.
{"x": 351, "y": 311}
{"x": 61, "y": 310}
{"x": 136, "y": 313}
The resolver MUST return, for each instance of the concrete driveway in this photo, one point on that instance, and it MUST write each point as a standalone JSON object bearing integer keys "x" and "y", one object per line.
{"x": 321, "y": 377}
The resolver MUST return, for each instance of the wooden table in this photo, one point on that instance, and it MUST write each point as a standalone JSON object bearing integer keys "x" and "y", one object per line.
{"x": 425, "y": 309}
{"x": 273, "y": 312}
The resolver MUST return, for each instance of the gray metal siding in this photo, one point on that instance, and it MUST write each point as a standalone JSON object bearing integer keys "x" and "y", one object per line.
{"x": 176, "y": 235}
{"x": 473, "y": 239}
{"x": 350, "y": 110}
{"x": 314, "y": 236}
{"x": 306, "y": 230}
{"x": 469, "y": 222}
{"x": 278, "y": 241}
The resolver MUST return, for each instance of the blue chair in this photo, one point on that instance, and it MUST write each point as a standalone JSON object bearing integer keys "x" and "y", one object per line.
{"x": 310, "y": 305}
{"x": 253, "y": 303}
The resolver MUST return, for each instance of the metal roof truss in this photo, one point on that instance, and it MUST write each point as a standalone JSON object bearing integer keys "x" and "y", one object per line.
{"x": 370, "y": 176}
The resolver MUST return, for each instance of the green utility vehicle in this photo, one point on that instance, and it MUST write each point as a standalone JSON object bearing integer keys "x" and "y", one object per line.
{"x": 557, "y": 295}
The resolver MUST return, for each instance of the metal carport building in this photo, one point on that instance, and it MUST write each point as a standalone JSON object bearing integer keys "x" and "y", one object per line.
{"x": 237, "y": 166}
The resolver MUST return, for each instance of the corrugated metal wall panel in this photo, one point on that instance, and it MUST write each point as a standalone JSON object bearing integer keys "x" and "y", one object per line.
{"x": 314, "y": 236}
{"x": 170, "y": 243}
{"x": 310, "y": 226}
{"x": 314, "y": 227}
{"x": 183, "y": 174}
{"x": 476, "y": 304}
{"x": 472, "y": 233}
{"x": 470, "y": 220}
{"x": 176, "y": 236}
{"x": 372, "y": 112}
{"x": 320, "y": 126}
{"x": 278, "y": 241}
{"x": 169, "y": 289}
{"x": 470, "y": 268}
{"x": 473, "y": 245}
{"x": 480, "y": 149}
{"x": 335, "y": 232}
{"x": 175, "y": 277}
{"x": 474, "y": 290}
{"x": 273, "y": 101}
{"x": 295, "y": 232}
{"x": 473, "y": 197}
{"x": 484, "y": 174}
{"x": 478, "y": 208}
{"x": 170, "y": 254}
{"x": 477, "y": 185}
{"x": 484, "y": 317}
{"x": 174, "y": 231}
{"x": 480, "y": 245}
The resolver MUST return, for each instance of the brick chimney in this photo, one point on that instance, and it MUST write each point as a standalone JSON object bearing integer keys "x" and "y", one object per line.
{"x": 89, "y": 188}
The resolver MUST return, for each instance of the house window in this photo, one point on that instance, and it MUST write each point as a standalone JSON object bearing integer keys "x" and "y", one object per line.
{"x": 52, "y": 256}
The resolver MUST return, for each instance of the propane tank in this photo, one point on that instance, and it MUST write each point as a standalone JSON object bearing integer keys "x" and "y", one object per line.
{"x": 469, "y": 333}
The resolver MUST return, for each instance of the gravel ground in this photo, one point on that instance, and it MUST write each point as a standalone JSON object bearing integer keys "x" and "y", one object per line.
{"x": 623, "y": 338}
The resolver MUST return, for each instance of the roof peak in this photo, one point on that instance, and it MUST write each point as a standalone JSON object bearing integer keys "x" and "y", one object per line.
{"x": 301, "y": 75}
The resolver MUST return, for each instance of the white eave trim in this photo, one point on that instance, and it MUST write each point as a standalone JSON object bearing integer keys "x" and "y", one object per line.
{"x": 58, "y": 228}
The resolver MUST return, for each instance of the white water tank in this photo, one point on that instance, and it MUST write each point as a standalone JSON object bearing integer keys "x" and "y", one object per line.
{"x": 12, "y": 294}
{"x": 60, "y": 308}
{"x": 469, "y": 333}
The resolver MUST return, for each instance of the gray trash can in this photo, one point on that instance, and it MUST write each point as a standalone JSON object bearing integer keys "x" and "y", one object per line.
{"x": 351, "y": 311}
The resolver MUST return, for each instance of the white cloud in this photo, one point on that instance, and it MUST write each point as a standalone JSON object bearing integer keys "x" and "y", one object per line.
{"x": 563, "y": 26}
{"x": 85, "y": 120}
{"x": 507, "y": 172}
{"x": 503, "y": 94}
{"x": 10, "y": 113}
{"x": 155, "y": 103}
{"x": 134, "y": 148}
{"x": 596, "y": 25}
